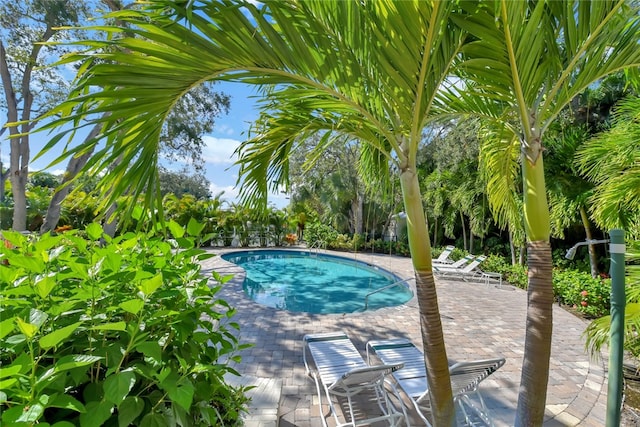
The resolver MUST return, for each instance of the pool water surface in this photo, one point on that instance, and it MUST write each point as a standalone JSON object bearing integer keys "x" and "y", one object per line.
{"x": 301, "y": 281}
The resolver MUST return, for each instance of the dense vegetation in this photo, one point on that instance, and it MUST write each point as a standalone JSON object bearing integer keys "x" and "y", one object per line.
{"x": 125, "y": 331}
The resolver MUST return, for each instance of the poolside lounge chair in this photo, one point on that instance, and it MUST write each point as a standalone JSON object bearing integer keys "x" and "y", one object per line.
{"x": 444, "y": 256}
{"x": 469, "y": 271}
{"x": 343, "y": 373}
{"x": 456, "y": 264}
{"x": 412, "y": 379}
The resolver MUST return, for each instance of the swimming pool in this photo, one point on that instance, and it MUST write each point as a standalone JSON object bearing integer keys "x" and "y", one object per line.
{"x": 302, "y": 281}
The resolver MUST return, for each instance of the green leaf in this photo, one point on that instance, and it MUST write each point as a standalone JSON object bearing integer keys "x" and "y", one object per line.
{"x": 149, "y": 286}
{"x": 132, "y": 306}
{"x": 117, "y": 386}
{"x": 63, "y": 424}
{"x": 3, "y": 397}
{"x": 94, "y": 231}
{"x": 129, "y": 410}
{"x": 150, "y": 349}
{"x": 7, "y": 326}
{"x": 74, "y": 361}
{"x": 116, "y": 326}
{"x": 10, "y": 370}
{"x": 29, "y": 263}
{"x": 194, "y": 228}
{"x": 34, "y": 411}
{"x": 176, "y": 229}
{"x": 182, "y": 395}
{"x": 96, "y": 414}
{"x": 37, "y": 317}
{"x": 5, "y": 384}
{"x": 57, "y": 336}
{"x": 67, "y": 402}
{"x": 28, "y": 329}
{"x": 153, "y": 420}
{"x": 44, "y": 285}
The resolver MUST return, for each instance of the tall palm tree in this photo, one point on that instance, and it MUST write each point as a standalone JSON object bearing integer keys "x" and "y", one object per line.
{"x": 367, "y": 70}
{"x": 527, "y": 61}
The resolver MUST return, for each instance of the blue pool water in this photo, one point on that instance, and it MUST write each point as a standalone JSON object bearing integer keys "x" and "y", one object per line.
{"x": 315, "y": 283}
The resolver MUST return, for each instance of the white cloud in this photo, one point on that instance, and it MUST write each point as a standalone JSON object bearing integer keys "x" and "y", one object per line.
{"x": 224, "y": 130}
{"x": 230, "y": 192}
{"x": 219, "y": 150}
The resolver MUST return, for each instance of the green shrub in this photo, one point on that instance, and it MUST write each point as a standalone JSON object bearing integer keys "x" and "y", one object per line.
{"x": 320, "y": 235}
{"x": 122, "y": 331}
{"x": 576, "y": 288}
{"x": 516, "y": 275}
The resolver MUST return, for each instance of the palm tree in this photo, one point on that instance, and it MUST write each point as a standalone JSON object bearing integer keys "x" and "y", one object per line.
{"x": 527, "y": 61}
{"x": 369, "y": 71}
{"x": 611, "y": 161}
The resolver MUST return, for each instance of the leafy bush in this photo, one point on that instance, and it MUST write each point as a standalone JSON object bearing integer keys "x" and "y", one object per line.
{"x": 125, "y": 332}
{"x": 516, "y": 275}
{"x": 320, "y": 235}
{"x": 576, "y": 288}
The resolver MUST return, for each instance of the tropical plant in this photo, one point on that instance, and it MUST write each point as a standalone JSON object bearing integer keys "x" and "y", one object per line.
{"x": 126, "y": 331}
{"x": 524, "y": 63}
{"x": 611, "y": 160}
{"x": 370, "y": 71}
{"x": 598, "y": 332}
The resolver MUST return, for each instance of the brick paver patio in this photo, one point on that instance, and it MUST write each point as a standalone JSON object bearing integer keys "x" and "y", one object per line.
{"x": 479, "y": 321}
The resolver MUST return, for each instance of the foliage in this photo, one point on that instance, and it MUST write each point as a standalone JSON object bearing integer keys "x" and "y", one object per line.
{"x": 578, "y": 289}
{"x": 317, "y": 234}
{"x": 611, "y": 161}
{"x": 598, "y": 332}
{"x": 181, "y": 182}
{"x": 120, "y": 333}
{"x": 516, "y": 274}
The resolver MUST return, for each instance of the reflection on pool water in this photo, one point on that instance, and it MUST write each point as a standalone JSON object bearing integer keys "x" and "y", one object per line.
{"x": 316, "y": 283}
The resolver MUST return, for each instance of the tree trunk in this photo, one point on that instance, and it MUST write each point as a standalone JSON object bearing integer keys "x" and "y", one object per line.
{"x": 357, "y": 207}
{"x": 470, "y": 241}
{"x": 537, "y": 345}
{"x": 110, "y": 223}
{"x": 431, "y": 326}
{"x": 593, "y": 260}
{"x": 435, "y": 231}
{"x": 512, "y": 248}
{"x": 464, "y": 232}
{"x": 73, "y": 167}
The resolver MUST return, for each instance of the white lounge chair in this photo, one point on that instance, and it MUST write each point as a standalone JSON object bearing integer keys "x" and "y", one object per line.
{"x": 343, "y": 373}
{"x": 444, "y": 256}
{"x": 469, "y": 271}
{"x": 456, "y": 264}
{"x": 412, "y": 379}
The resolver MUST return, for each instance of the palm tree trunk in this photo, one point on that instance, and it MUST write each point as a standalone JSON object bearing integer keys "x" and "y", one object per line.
{"x": 435, "y": 231}
{"x": 537, "y": 345}
{"x": 435, "y": 352}
{"x": 512, "y": 247}
{"x": 593, "y": 260}
{"x": 464, "y": 232}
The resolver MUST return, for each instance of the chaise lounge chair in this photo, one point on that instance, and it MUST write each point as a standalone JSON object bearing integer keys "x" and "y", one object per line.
{"x": 469, "y": 271}
{"x": 444, "y": 256}
{"x": 412, "y": 379}
{"x": 456, "y": 264}
{"x": 342, "y": 373}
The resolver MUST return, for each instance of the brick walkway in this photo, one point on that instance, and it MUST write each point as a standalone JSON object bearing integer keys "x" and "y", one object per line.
{"x": 478, "y": 322}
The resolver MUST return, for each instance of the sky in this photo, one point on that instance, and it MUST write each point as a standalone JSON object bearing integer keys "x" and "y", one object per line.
{"x": 229, "y": 131}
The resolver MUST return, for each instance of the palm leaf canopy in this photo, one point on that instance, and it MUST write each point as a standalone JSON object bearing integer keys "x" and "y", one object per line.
{"x": 369, "y": 70}
{"x": 518, "y": 79}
